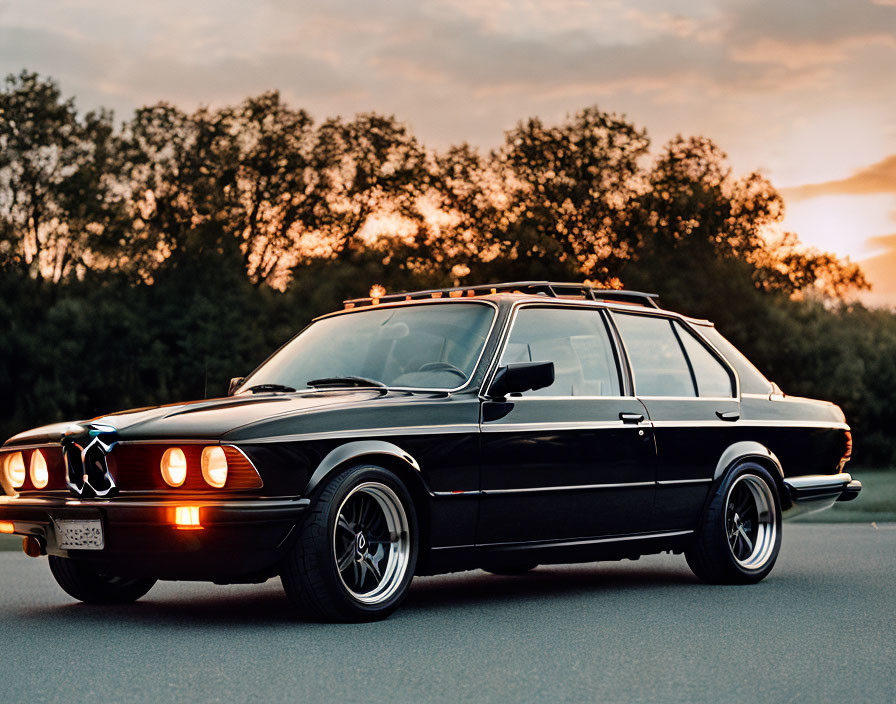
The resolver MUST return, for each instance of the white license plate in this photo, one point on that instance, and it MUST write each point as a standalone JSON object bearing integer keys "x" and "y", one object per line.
{"x": 80, "y": 534}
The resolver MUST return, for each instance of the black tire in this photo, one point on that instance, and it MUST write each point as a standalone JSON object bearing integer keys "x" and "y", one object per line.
{"x": 81, "y": 580}
{"x": 511, "y": 570}
{"x": 310, "y": 574}
{"x": 734, "y": 549}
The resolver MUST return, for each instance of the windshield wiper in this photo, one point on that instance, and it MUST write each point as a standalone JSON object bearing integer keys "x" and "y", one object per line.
{"x": 347, "y": 381}
{"x": 268, "y": 387}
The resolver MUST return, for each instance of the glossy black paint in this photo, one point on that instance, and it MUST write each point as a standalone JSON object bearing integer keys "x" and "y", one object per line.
{"x": 549, "y": 479}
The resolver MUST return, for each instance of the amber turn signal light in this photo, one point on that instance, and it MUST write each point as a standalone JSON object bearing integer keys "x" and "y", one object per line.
{"x": 7, "y": 527}
{"x": 187, "y": 518}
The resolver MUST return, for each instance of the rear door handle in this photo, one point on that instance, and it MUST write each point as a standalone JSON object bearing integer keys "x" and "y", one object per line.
{"x": 631, "y": 417}
{"x": 728, "y": 415}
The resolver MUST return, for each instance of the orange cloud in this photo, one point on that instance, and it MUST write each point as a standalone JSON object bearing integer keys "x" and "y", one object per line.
{"x": 876, "y": 178}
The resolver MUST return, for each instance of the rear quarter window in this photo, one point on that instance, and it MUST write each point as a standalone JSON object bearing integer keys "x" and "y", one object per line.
{"x": 712, "y": 377}
{"x": 752, "y": 381}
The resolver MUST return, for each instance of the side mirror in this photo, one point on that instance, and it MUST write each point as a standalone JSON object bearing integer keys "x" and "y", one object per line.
{"x": 234, "y": 385}
{"x": 523, "y": 376}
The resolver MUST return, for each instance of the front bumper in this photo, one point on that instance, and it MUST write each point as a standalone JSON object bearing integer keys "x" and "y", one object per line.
{"x": 816, "y": 492}
{"x": 238, "y": 539}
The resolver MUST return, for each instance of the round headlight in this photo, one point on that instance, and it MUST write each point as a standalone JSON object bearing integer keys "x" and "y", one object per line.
{"x": 14, "y": 469}
{"x": 174, "y": 466}
{"x": 39, "y": 475}
{"x": 214, "y": 466}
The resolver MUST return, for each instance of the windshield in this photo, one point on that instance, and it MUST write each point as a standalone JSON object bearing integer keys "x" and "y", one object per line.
{"x": 433, "y": 346}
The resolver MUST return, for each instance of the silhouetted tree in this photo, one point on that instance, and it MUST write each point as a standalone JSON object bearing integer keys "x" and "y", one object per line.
{"x": 150, "y": 262}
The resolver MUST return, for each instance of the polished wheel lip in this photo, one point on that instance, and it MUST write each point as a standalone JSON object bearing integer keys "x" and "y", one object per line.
{"x": 752, "y": 522}
{"x": 397, "y": 550}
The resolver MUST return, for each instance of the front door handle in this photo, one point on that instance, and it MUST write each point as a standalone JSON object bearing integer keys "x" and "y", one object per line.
{"x": 728, "y": 415}
{"x": 631, "y": 417}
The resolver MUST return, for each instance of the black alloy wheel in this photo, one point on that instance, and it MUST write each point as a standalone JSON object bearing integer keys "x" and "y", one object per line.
{"x": 740, "y": 537}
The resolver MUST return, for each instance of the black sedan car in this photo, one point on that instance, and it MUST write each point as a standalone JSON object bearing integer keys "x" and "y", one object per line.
{"x": 496, "y": 427}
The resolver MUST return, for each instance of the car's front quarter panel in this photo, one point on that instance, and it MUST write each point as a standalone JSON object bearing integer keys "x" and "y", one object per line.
{"x": 439, "y": 434}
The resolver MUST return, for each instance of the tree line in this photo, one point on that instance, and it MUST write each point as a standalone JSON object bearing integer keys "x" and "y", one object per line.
{"x": 150, "y": 260}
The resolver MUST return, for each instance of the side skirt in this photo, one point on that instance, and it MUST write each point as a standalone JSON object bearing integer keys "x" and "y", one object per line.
{"x": 467, "y": 557}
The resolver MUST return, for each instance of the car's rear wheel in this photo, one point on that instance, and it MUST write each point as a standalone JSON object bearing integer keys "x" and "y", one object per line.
{"x": 510, "y": 570}
{"x": 357, "y": 550}
{"x": 740, "y": 538}
{"x": 83, "y": 581}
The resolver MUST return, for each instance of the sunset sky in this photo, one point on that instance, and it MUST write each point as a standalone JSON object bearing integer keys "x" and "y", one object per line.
{"x": 804, "y": 90}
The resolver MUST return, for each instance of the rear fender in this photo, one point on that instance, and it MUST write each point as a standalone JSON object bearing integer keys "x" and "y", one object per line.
{"x": 752, "y": 451}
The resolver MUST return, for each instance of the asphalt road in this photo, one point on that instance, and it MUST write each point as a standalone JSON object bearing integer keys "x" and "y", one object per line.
{"x": 821, "y": 628}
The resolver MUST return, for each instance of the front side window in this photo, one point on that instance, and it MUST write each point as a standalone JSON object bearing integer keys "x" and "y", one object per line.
{"x": 656, "y": 357}
{"x": 429, "y": 346}
{"x": 575, "y": 340}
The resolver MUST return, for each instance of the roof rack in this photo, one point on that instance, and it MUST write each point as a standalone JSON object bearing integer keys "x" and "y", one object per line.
{"x": 550, "y": 289}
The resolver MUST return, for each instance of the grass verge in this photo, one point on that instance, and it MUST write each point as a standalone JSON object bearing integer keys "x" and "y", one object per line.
{"x": 10, "y": 542}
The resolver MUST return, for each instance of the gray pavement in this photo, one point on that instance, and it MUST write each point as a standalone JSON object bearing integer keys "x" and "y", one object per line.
{"x": 821, "y": 628}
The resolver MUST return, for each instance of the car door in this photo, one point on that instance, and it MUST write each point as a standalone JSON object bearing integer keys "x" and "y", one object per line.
{"x": 691, "y": 398}
{"x": 576, "y": 459}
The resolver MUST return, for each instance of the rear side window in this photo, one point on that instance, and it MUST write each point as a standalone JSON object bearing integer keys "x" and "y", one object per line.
{"x": 712, "y": 378}
{"x": 656, "y": 356}
{"x": 575, "y": 340}
{"x": 752, "y": 381}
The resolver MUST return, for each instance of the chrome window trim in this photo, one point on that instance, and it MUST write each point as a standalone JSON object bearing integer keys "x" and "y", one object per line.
{"x": 669, "y": 315}
{"x": 399, "y": 304}
{"x": 516, "y": 306}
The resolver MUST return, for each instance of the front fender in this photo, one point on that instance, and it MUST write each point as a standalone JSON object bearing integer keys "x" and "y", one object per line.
{"x": 356, "y": 450}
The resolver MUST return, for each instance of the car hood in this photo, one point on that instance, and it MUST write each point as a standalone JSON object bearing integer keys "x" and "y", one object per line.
{"x": 211, "y": 418}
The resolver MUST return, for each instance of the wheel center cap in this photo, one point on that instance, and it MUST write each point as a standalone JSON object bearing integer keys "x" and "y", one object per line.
{"x": 360, "y": 543}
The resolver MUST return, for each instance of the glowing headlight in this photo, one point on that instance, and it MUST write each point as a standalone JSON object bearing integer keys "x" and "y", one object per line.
{"x": 214, "y": 466}
{"x": 14, "y": 469}
{"x": 39, "y": 475}
{"x": 174, "y": 466}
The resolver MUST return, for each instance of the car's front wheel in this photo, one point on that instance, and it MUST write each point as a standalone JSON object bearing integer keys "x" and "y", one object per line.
{"x": 740, "y": 537}
{"x": 83, "y": 581}
{"x": 357, "y": 549}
